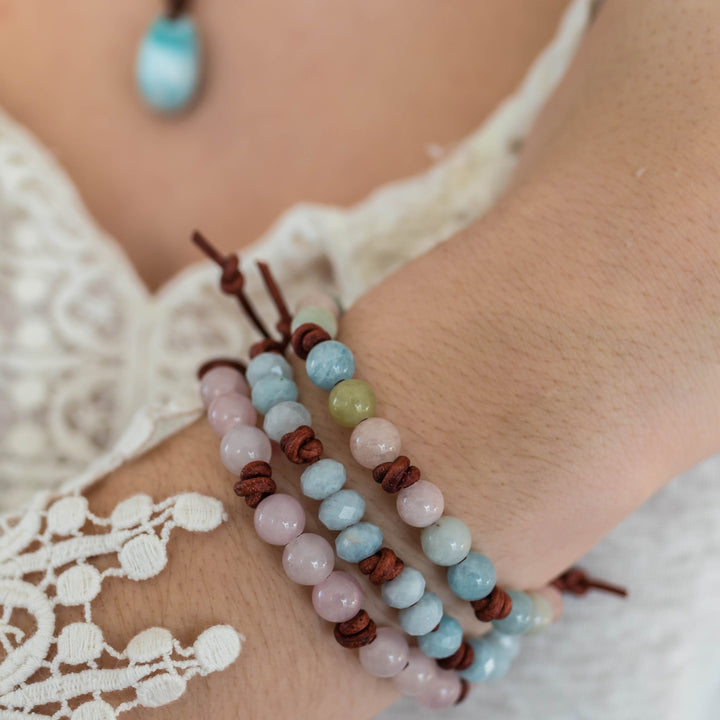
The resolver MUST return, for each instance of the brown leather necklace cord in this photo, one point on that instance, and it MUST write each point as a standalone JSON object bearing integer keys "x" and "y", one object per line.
{"x": 176, "y": 8}
{"x": 220, "y": 362}
{"x": 576, "y": 581}
{"x": 255, "y": 483}
{"x": 461, "y": 659}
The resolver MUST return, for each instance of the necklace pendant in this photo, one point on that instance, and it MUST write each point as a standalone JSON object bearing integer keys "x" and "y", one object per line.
{"x": 168, "y": 66}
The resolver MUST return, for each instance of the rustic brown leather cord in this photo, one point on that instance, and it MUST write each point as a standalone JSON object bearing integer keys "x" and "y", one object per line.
{"x": 381, "y": 567}
{"x": 176, "y": 8}
{"x": 220, "y": 362}
{"x": 577, "y": 582}
{"x": 301, "y": 446}
{"x": 464, "y": 690}
{"x": 356, "y": 632}
{"x": 266, "y": 345}
{"x": 255, "y": 483}
{"x": 461, "y": 659}
{"x": 306, "y": 337}
{"x": 283, "y": 324}
{"x": 396, "y": 475}
{"x": 496, "y": 606}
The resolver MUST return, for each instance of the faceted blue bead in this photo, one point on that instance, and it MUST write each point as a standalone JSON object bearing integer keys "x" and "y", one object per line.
{"x": 271, "y": 390}
{"x": 267, "y": 364}
{"x": 322, "y": 479}
{"x": 488, "y": 658}
{"x": 167, "y": 70}
{"x": 328, "y": 363}
{"x": 341, "y": 509}
{"x": 472, "y": 579}
{"x": 358, "y": 542}
{"x": 521, "y": 616}
{"x": 405, "y": 590}
{"x": 423, "y": 616}
{"x": 443, "y": 641}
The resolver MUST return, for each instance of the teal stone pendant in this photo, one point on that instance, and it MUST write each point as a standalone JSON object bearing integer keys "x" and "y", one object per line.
{"x": 168, "y": 66}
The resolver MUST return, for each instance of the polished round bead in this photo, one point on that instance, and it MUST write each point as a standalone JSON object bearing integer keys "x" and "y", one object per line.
{"x": 417, "y": 674}
{"x": 444, "y": 640}
{"x": 423, "y": 616}
{"x": 342, "y": 509}
{"x": 271, "y": 390}
{"x": 447, "y": 542}
{"x": 268, "y": 364}
{"x": 555, "y": 598}
{"x": 308, "y": 559}
{"x": 285, "y": 417}
{"x": 337, "y": 598}
{"x": 328, "y": 363}
{"x": 520, "y": 617}
{"x": 316, "y": 298}
{"x": 375, "y": 441}
{"x": 386, "y": 655}
{"x": 405, "y": 590}
{"x": 221, "y": 381}
{"x": 351, "y": 402}
{"x": 473, "y": 578}
{"x": 421, "y": 504}
{"x": 542, "y": 614}
{"x": 487, "y": 657}
{"x": 358, "y": 541}
{"x": 322, "y": 479}
{"x": 318, "y": 316}
{"x": 229, "y": 411}
{"x": 442, "y": 691}
{"x": 279, "y": 519}
{"x": 242, "y": 445}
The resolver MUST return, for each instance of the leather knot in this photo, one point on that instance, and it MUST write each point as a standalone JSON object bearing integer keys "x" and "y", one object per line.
{"x": 306, "y": 337}
{"x": 396, "y": 475}
{"x": 464, "y": 690}
{"x": 461, "y": 659}
{"x": 219, "y": 362}
{"x": 266, "y": 345}
{"x": 577, "y": 582}
{"x": 356, "y": 632}
{"x": 381, "y": 567}
{"x": 496, "y": 606}
{"x": 231, "y": 280}
{"x": 301, "y": 446}
{"x": 255, "y": 483}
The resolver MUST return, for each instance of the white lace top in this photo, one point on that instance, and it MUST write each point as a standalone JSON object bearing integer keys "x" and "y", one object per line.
{"x": 94, "y": 370}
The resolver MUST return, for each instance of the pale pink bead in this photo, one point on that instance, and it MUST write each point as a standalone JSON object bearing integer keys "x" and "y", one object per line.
{"x": 442, "y": 691}
{"x": 319, "y": 299}
{"x": 337, "y": 598}
{"x": 221, "y": 381}
{"x": 242, "y": 445}
{"x": 279, "y": 519}
{"x": 229, "y": 411}
{"x": 554, "y": 597}
{"x": 386, "y": 655}
{"x": 374, "y": 441}
{"x": 417, "y": 674}
{"x": 308, "y": 559}
{"x": 421, "y": 504}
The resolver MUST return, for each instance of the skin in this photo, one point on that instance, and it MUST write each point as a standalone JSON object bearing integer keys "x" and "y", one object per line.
{"x": 573, "y": 332}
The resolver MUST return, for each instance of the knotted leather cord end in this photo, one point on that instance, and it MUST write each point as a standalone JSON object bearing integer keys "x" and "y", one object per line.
{"x": 576, "y": 581}
{"x": 356, "y": 632}
{"x": 381, "y": 567}
{"x": 301, "y": 446}
{"x": 396, "y": 475}
{"x": 461, "y": 659}
{"x": 306, "y": 337}
{"x": 255, "y": 483}
{"x": 266, "y": 345}
{"x": 496, "y": 606}
{"x": 464, "y": 690}
{"x": 220, "y": 362}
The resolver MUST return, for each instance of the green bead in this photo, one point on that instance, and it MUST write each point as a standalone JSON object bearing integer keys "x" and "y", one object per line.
{"x": 317, "y": 315}
{"x": 351, "y": 402}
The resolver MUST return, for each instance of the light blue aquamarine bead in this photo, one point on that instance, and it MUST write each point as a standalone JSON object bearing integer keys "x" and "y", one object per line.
{"x": 405, "y": 590}
{"x": 521, "y": 616}
{"x": 167, "y": 69}
{"x": 285, "y": 417}
{"x": 322, "y": 479}
{"x": 494, "y": 654}
{"x": 358, "y": 542}
{"x": 341, "y": 509}
{"x": 328, "y": 363}
{"x": 267, "y": 364}
{"x": 271, "y": 390}
{"x": 423, "y": 616}
{"x": 473, "y": 578}
{"x": 447, "y": 541}
{"x": 508, "y": 647}
{"x": 443, "y": 641}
